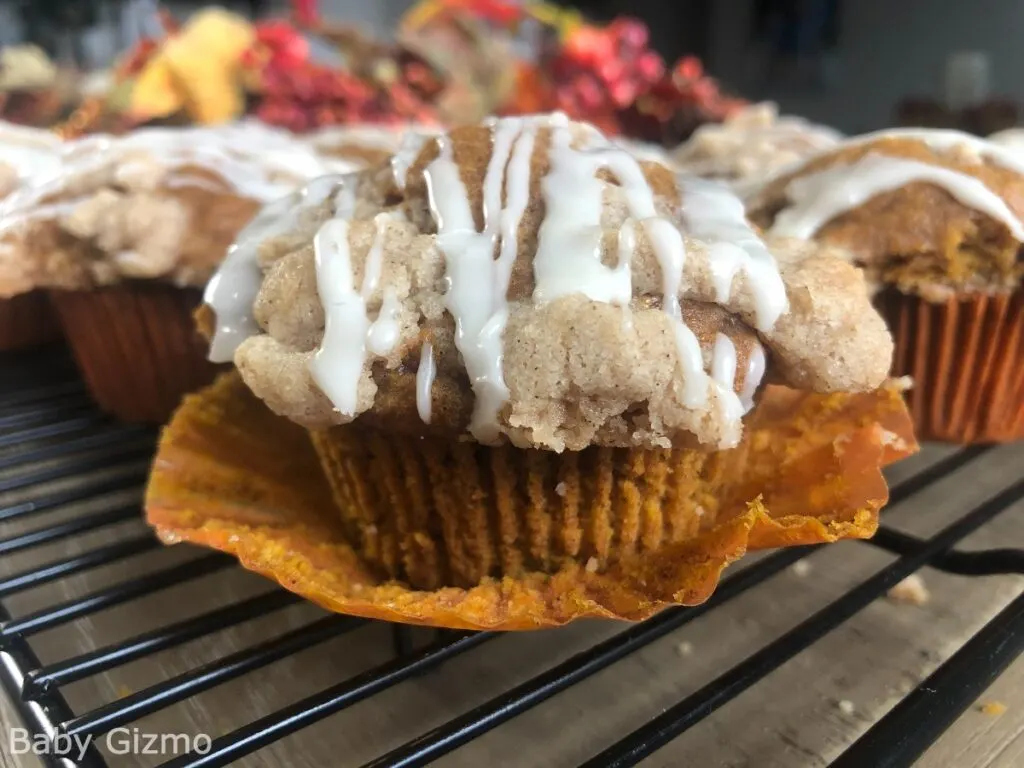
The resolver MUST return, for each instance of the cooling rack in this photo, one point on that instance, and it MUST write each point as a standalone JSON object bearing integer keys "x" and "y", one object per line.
{"x": 89, "y": 598}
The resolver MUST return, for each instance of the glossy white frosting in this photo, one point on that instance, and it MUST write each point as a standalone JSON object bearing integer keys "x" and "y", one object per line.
{"x": 567, "y": 261}
{"x": 814, "y": 199}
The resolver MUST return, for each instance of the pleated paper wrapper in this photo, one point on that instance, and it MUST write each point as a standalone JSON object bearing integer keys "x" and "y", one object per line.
{"x": 27, "y": 321}
{"x": 232, "y": 476}
{"x": 136, "y": 346}
{"x": 965, "y": 356}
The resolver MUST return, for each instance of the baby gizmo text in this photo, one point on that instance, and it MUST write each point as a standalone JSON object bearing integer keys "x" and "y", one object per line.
{"x": 120, "y": 741}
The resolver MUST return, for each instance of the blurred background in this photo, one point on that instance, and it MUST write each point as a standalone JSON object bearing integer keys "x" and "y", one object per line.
{"x": 855, "y": 65}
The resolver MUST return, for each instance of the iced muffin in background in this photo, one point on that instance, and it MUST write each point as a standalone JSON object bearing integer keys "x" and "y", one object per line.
{"x": 751, "y": 146}
{"x": 934, "y": 219}
{"x": 27, "y": 156}
{"x": 125, "y": 231}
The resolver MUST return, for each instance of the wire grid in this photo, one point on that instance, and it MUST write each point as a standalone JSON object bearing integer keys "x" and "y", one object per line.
{"x": 42, "y": 400}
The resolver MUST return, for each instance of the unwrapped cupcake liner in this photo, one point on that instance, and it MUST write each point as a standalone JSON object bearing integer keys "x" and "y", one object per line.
{"x": 965, "y": 356}
{"x": 136, "y": 346}
{"x": 27, "y": 321}
{"x": 231, "y": 475}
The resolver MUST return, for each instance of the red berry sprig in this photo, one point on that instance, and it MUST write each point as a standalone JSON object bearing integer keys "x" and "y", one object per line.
{"x": 602, "y": 70}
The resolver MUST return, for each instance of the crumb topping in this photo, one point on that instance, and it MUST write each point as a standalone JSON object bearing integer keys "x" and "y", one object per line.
{"x": 527, "y": 280}
{"x": 752, "y": 145}
{"x": 158, "y": 203}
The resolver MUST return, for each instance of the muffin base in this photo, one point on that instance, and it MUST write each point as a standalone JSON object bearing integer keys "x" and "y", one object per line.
{"x": 27, "y": 321}
{"x": 435, "y": 513}
{"x": 136, "y": 346}
{"x": 232, "y": 476}
{"x": 966, "y": 359}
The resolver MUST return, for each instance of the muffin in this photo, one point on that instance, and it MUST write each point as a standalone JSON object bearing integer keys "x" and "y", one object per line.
{"x": 27, "y": 155}
{"x": 934, "y": 219}
{"x": 751, "y": 146}
{"x": 365, "y": 145}
{"x": 524, "y": 360}
{"x": 125, "y": 232}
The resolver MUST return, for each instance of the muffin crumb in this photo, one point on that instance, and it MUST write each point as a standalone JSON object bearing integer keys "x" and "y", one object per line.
{"x": 911, "y": 591}
{"x": 801, "y": 568}
{"x": 992, "y": 708}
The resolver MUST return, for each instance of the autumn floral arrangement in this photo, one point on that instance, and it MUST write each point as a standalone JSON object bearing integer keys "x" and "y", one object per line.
{"x": 450, "y": 61}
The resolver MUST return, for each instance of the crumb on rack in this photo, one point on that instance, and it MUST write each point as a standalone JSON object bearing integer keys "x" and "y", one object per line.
{"x": 561, "y": 489}
{"x": 911, "y": 590}
{"x": 801, "y": 568}
{"x": 685, "y": 648}
{"x": 845, "y": 706}
{"x": 992, "y": 708}
{"x": 591, "y": 565}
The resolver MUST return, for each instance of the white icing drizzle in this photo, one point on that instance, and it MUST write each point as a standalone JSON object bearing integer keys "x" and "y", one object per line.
{"x": 568, "y": 258}
{"x": 337, "y": 366}
{"x": 716, "y": 216}
{"x": 569, "y": 242}
{"x": 406, "y": 154}
{"x": 723, "y": 361}
{"x": 1012, "y": 140}
{"x": 943, "y": 140}
{"x": 425, "y": 375}
{"x": 385, "y": 330}
{"x": 345, "y": 201}
{"x": 668, "y": 247}
{"x": 817, "y": 198}
{"x": 478, "y": 283}
{"x": 233, "y": 289}
{"x": 252, "y": 160}
{"x": 567, "y": 261}
{"x": 757, "y": 365}
{"x": 33, "y": 154}
{"x": 349, "y": 334}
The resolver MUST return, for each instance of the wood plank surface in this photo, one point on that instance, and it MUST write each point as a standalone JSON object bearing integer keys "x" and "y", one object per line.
{"x": 803, "y": 714}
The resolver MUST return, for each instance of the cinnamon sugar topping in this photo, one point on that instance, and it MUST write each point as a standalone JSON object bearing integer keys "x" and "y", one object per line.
{"x": 538, "y": 284}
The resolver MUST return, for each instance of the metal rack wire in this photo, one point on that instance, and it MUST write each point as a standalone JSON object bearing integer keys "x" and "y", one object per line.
{"x": 46, "y": 417}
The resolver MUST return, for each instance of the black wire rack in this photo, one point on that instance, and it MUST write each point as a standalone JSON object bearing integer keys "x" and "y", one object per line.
{"x": 51, "y": 434}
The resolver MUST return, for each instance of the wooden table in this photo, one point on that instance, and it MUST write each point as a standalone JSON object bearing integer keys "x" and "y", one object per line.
{"x": 804, "y": 714}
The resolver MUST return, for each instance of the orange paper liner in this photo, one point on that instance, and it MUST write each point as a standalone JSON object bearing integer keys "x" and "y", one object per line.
{"x": 136, "y": 346}
{"x": 232, "y": 476}
{"x": 966, "y": 359}
{"x": 27, "y": 321}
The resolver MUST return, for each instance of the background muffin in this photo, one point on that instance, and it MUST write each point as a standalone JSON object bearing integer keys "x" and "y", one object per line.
{"x": 125, "y": 233}
{"x": 934, "y": 218}
{"x": 27, "y": 156}
{"x": 752, "y": 145}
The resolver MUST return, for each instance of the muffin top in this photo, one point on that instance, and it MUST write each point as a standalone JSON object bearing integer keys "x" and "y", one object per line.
{"x": 752, "y": 145}
{"x": 26, "y": 155}
{"x": 366, "y": 145}
{"x": 928, "y": 211}
{"x": 155, "y": 203}
{"x": 527, "y": 280}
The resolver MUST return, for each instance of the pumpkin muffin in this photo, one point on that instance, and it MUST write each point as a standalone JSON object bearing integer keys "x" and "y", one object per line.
{"x": 751, "y": 146}
{"x": 934, "y": 219}
{"x": 27, "y": 156}
{"x": 123, "y": 233}
{"x": 526, "y": 349}
{"x": 364, "y": 145}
